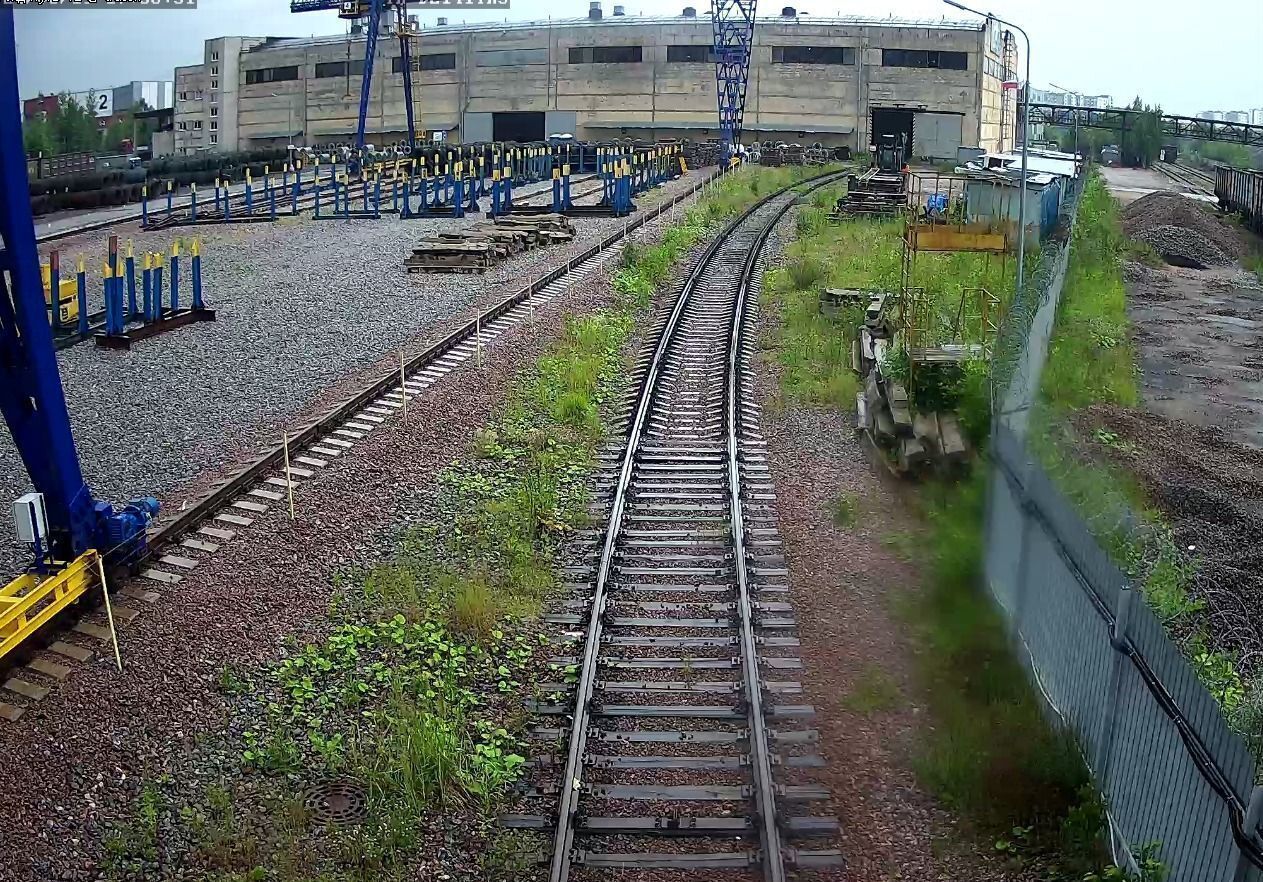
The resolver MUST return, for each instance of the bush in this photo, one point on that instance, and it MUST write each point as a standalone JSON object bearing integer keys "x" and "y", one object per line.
{"x": 475, "y": 610}
{"x": 806, "y": 271}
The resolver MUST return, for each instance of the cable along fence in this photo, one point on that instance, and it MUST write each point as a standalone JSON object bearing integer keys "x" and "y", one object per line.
{"x": 1157, "y": 742}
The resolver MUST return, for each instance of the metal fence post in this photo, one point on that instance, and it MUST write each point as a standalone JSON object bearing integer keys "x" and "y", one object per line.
{"x": 1109, "y": 712}
{"x": 1253, "y": 824}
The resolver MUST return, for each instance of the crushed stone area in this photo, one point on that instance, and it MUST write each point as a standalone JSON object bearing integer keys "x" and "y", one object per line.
{"x": 78, "y": 758}
{"x": 301, "y": 304}
{"x": 1195, "y": 320}
{"x": 1210, "y": 489}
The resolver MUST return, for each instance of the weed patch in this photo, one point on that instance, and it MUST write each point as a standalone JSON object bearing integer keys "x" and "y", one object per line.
{"x": 874, "y": 692}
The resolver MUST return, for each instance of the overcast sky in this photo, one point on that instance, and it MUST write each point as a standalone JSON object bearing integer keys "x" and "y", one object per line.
{"x": 1188, "y": 57}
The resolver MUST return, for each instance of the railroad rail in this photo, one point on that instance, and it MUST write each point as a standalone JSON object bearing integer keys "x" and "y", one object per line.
{"x": 686, "y": 585}
{"x": 1195, "y": 179}
{"x": 185, "y": 538}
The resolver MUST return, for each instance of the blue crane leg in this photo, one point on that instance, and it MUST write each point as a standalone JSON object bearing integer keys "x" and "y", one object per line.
{"x": 31, "y": 398}
{"x": 366, "y": 82}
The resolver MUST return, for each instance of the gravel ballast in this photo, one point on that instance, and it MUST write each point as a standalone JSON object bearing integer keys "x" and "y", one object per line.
{"x": 76, "y": 757}
{"x": 301, "y": 304}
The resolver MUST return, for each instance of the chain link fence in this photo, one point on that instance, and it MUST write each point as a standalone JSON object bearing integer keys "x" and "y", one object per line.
{"x": 1155, "y": 739}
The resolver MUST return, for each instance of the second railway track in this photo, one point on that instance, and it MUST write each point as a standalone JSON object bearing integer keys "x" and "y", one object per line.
{"x": 687, "y": 747}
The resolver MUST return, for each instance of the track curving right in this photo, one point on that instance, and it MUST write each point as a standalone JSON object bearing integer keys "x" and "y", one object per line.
{"x": 686, "y": 750}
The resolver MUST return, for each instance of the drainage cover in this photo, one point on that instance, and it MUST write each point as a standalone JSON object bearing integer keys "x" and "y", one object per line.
{"x": 337, "y": 803}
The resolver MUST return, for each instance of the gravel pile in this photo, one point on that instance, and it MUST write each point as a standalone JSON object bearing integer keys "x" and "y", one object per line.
{"x": 301, "y": 304}
{"x": 1185, "y": 227}
{"x": 1181, "y": 246}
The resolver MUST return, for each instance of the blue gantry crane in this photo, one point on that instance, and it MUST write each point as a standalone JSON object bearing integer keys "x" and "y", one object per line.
{"x": 733, "y": 24}
{"x": 66, "y": 526}
{"x": 371, "y": 12}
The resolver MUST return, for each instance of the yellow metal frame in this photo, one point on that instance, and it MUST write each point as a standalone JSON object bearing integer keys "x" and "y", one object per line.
{"x": 29, "y": 602}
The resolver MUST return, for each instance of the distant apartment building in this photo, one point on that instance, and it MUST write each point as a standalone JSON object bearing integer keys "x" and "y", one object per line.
{"x": 1256, "y": 116}
{"x": 206, "y": 97}
{"x": 1071, "y": 99}
{"x": 1237, "y": 116}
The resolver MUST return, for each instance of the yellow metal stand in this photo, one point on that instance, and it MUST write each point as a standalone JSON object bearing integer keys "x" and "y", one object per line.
{"x": 28, "y": 602}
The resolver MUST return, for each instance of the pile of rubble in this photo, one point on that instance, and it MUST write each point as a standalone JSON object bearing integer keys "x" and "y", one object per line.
{"x": 481, "y": 246}
{"x": 1183, "y": 231}
{"x": 1181, "y": 246}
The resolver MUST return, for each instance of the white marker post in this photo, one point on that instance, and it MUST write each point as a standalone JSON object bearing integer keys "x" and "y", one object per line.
{"x": 109, "y": 610}
{"x": 478, "y": 340}
{"x": 403, "y": 390}
{"x": 289, "y": 479}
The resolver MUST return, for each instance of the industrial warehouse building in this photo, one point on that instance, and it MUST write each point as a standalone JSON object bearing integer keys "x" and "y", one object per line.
{"x": 833, "y": 81}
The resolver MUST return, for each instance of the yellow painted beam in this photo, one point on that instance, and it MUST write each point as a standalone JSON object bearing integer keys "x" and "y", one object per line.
{"x": 935, "y": 237}
{"x": 29, "y": 602}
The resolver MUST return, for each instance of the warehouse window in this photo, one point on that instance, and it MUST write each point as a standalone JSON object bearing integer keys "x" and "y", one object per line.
{"x": 431, "y": 61}
{"x": 700, "y": 53}
{"x": 813, "y": 55}
{"x": 941, "y": 60}
{"x": 268, "y": 75}
{"x": 182, "y": 126}
{"x": 197, "y": 125}
{"x": 326, "y": 69}
{"x": 214, "y": 56}
{"x": 604, "y": 54}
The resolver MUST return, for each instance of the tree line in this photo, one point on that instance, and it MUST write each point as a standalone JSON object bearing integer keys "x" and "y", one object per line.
{"x": 75, "y": 129}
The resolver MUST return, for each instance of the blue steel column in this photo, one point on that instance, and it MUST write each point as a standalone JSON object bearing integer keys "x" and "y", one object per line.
{"x": 370, "y": 55}
{"x": 405, "y": 59}
{"x": 733, "y": 24}
{"x": 31, "y": 398}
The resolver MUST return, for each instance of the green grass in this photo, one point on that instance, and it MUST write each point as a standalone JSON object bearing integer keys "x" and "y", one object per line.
{"x": 845, "y": 511}
{"x": 991, "y": 754}
{"x": 813, "y": 346}
{"x": 1091, "y": 358}
{"x": 1254, "y": 263}
{"x": 874, "y": 691}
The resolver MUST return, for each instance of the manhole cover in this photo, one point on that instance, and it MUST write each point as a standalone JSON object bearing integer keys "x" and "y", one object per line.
{"x": 337, "y": 802}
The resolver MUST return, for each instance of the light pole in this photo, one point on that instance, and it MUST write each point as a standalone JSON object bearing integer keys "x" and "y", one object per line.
{"x": 1026, "y": 126}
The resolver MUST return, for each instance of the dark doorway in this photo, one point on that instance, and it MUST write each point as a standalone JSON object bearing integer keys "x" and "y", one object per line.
{"x": 893, "y": 122}
{"x": 517, "y": 126}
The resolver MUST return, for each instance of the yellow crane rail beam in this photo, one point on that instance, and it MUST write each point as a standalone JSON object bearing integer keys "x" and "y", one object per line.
{"x": 29, "y": 601}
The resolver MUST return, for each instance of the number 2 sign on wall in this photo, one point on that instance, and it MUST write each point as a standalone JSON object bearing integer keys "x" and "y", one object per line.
{"x": 103, "y": 103}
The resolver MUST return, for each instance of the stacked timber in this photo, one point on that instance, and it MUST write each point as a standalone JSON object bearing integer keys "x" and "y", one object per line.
{"x": 482, "y": 245}
{"x": 914, "y": 442}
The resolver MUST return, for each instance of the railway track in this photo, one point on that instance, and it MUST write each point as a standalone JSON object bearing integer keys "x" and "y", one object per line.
{"x": 184, "y": 539}
{"x": 686, "y": 748}
{"x": 1196, "y": 179}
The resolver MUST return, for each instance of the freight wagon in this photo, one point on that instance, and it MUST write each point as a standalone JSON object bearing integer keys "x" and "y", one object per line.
{"x": 1241, "y": 190}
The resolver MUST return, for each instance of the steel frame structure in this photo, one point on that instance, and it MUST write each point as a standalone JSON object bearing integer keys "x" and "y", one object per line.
{"x": 1122, "y": 120}
{"x": 372, "y": 10}
{"x": 733, "y": 25}
{"x": 31, "y": 398}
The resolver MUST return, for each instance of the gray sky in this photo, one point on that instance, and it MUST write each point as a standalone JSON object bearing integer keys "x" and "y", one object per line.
{"x": 1187, "y": 57}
